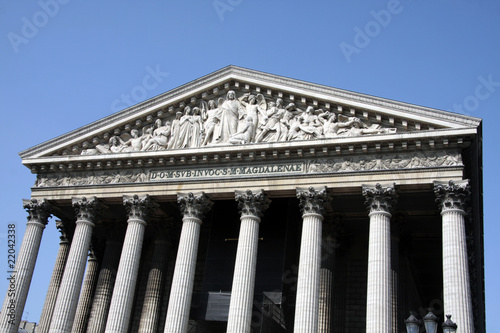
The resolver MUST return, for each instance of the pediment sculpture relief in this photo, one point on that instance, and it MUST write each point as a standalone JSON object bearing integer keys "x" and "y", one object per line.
{"x": 231, "y": 120}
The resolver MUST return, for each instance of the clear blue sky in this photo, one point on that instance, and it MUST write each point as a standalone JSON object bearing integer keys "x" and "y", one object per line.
{"x": 66, "y": 65}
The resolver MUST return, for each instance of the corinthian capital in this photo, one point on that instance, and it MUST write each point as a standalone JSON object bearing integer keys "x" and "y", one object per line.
{"x": 452, "y": 195}
{"x": 250, "y": 203}
{"x": 139, "y": 207}
{"x": 380, "y": 199}
{"x": 312, "y": 201}
{"x": 194, "y": 205}
{"x": 38, "y": 211}
{"x": 86, "y": 209}
{"x": 62, "y": 229}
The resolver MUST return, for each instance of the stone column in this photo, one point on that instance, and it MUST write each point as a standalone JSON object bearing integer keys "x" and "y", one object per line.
{"x": 55, "y": 281}
{"x": 120, "y": 309}
{"x": 152, "y": 299}
{"x": 329, "y": 245}
{"x": 453, "y": 198}
{"x": 379, "y": 200}
{"x": 67, "y": 297}
{"x": 86, "y": 295}
{"x": 21, "y": 274}
{"x": 397, "y": 314}
{"x": 193, "y": 208}
{"x": 312, "y": 204}
{"x": 105, "y": 282}
{"x": 251, "y": 207}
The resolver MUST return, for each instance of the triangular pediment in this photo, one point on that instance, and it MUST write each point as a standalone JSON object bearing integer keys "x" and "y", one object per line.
{"x": 265, "y": 108}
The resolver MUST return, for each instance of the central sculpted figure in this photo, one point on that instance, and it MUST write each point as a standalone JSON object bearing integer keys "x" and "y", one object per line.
{"x": 254, "y": 105}
{"x": 229, "y": 114}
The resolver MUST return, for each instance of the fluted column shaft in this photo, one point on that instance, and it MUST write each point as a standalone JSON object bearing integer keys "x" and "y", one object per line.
{"x": 86, "y": 295}
{"x": 240, "y": 308}
{"x": 307, "y": 304}
{"x": 326, "y": 284}
{"x": 453, "y": 198}
{"x": 396, "y": 313}
{"x": 379, "y": 200}
{"x": 123, "y": 294}
{"x": 67, "y": 297}
{"x": 104, "y": 288}
{"x": 379, "y": 300}
{"x": 20, "y": 278}
{"x": 152, "y": 299}
{"x": 55, "y": 282}
{"x": 193, "y": 208}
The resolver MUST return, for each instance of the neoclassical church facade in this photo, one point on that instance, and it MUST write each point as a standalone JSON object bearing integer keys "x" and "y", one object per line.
{"x": 248, "y": 202}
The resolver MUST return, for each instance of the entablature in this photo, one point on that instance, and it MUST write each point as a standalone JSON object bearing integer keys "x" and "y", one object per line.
{"x": 264, "y": 152}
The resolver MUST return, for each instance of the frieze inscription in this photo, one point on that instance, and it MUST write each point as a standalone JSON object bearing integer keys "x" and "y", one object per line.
{"x": 160, "y": 175}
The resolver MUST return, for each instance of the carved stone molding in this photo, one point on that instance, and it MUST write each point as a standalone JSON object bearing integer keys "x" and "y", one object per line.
{"x": 380, "y": 199}
{"x": 250, "y": 203}
{"x": 194, "y": 205}
{"x": 453, "y": 195}
{"x": 312, "y": 200}
{"x": 38, "y": 210}
{"x": 87, "y": 209}
{"x": 139, "y": 207}
{"x": 341, "y": 164}
{"x": 395, "y": 161}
